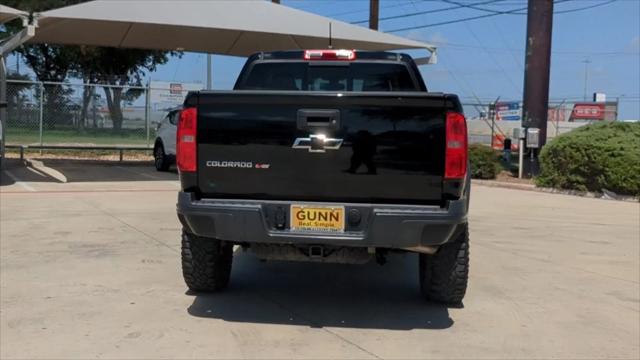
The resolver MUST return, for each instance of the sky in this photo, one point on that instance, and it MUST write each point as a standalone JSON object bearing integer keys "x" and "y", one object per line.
{"x": 483, "y": 59}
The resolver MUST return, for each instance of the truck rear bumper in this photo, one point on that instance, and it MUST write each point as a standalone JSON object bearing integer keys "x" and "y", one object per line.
{"x": 381, "y": 225}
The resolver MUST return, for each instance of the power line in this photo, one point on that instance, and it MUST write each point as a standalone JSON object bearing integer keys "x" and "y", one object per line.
{"x": 504, "y": 41}
{"x": 474, "y": 7}
{"x": 427, "y": 12}
{"x": 512, "y": 11}
{"x": 496, "y": 13}
{"x": 586, "y": 62}
{"x": 566, "y": 52}
{"x": 585, "y": 7}
{"x": 458, "y": 5}
{"x": 469, "y": 88}
{"x": 479, "y": 105}
{"x": 495, "y": 61}
{"x": 455, "y": 21}
{"x": 365, "y": 10}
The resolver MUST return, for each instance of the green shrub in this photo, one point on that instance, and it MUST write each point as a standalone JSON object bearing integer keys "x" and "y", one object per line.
{"x": 483, "y": 161}
{"x": 594, "y": 157}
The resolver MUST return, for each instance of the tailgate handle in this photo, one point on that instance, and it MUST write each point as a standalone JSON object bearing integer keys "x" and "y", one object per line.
{"x": 318, "y": 118}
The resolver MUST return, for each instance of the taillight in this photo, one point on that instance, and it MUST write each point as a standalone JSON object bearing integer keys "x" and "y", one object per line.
{"x": 455, "y": 166}
{"x": 330, "y": 54}
{"x": 186, "y": 140}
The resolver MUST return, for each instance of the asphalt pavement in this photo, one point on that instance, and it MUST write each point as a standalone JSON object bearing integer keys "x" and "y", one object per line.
{"x": 90, "y": 268}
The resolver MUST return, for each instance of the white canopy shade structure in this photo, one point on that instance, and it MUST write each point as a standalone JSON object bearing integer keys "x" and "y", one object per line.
{"x": 227, "y": 27}
{"x": 9, "y": 13}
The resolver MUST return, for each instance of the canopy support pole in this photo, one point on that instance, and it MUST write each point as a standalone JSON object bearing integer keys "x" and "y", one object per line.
{"x": 5, "y": 49}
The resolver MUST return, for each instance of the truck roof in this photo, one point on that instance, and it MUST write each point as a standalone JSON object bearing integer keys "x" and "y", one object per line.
{"x": 360, "y": 55}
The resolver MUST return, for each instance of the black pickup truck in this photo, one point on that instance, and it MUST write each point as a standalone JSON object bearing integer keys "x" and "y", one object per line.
{"x": 325, "y": 155}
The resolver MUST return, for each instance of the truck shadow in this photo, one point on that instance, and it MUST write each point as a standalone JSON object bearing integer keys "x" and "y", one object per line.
{"x": 324, "y": 295}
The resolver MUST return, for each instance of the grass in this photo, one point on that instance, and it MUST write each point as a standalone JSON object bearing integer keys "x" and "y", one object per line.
{"x": 17, "y": 136}
{"x": 129, "y": 155}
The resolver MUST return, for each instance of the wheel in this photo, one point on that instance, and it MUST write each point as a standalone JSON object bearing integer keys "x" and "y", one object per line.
{"x": 206, "y": 263}
{"x": 160, "y": 159}
{"x": 444, "y": 275}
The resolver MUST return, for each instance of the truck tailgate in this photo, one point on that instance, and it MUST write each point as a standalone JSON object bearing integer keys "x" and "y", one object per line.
{"x": 349, "y": 147}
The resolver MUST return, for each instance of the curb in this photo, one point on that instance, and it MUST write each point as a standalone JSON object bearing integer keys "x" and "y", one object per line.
{"x": 531, "y": 187}
{"x": 503, "y": 184}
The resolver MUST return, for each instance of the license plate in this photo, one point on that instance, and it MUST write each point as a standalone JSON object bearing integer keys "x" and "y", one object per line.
{"x": 317, "y": 218}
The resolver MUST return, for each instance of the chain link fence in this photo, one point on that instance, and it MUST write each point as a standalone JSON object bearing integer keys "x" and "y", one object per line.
{"x": 486, "y": 126}
{"x": 67, "y": 114}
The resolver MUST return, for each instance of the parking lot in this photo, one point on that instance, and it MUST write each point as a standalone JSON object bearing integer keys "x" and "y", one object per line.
{"x": 90, "y": 268}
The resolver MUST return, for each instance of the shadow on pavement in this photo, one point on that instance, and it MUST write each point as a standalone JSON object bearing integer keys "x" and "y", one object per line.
{"x": 324, "y": 295}
{"x": 67, "y": 170}
{"x": 9, "y": 164}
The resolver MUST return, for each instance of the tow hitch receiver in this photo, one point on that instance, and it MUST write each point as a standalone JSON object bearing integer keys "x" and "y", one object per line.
{"x": 316, "y": 251}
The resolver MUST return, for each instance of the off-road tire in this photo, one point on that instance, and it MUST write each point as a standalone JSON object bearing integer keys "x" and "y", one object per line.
{"x": 160, "y": 158}
{"x": 206, "y": 263}
{"x": 444, "y": 275}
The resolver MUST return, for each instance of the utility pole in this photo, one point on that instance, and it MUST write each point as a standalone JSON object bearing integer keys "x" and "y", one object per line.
{"x": 492, "y": 115}
{"x": 374, "y": 13}
{"x": 536, "y": 78}
{"x": 586, "y": 62}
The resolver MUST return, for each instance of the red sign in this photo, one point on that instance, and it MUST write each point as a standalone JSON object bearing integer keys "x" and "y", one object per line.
{"x": 556, "y": 114}
{"x": 588, "y": 111}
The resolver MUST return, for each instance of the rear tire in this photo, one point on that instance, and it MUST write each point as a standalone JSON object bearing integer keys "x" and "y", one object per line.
{"x": 444, "y": 275}
{"x": 206, "y": 263}
{"x": 160, "y": 158}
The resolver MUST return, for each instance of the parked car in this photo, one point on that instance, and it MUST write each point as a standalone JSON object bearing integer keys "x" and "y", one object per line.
{"x": 2, "y": 141}
{"x": 329, "y": 156}
{"x": 164, "y": 148}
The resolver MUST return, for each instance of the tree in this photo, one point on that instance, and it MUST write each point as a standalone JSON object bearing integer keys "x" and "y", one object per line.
{"x": 119, "y": 69}
{"x": 52, "y": 64}
{"x": 115, "y": 67}
{"x": 49, "y": 62}
{"x": 17, "y": 108}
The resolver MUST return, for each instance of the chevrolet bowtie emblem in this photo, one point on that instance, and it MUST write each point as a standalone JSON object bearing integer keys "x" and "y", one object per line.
{"x": 317, "y": 143}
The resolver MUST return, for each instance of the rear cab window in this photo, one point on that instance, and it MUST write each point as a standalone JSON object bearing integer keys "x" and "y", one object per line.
{"x": 328, "y": 76}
